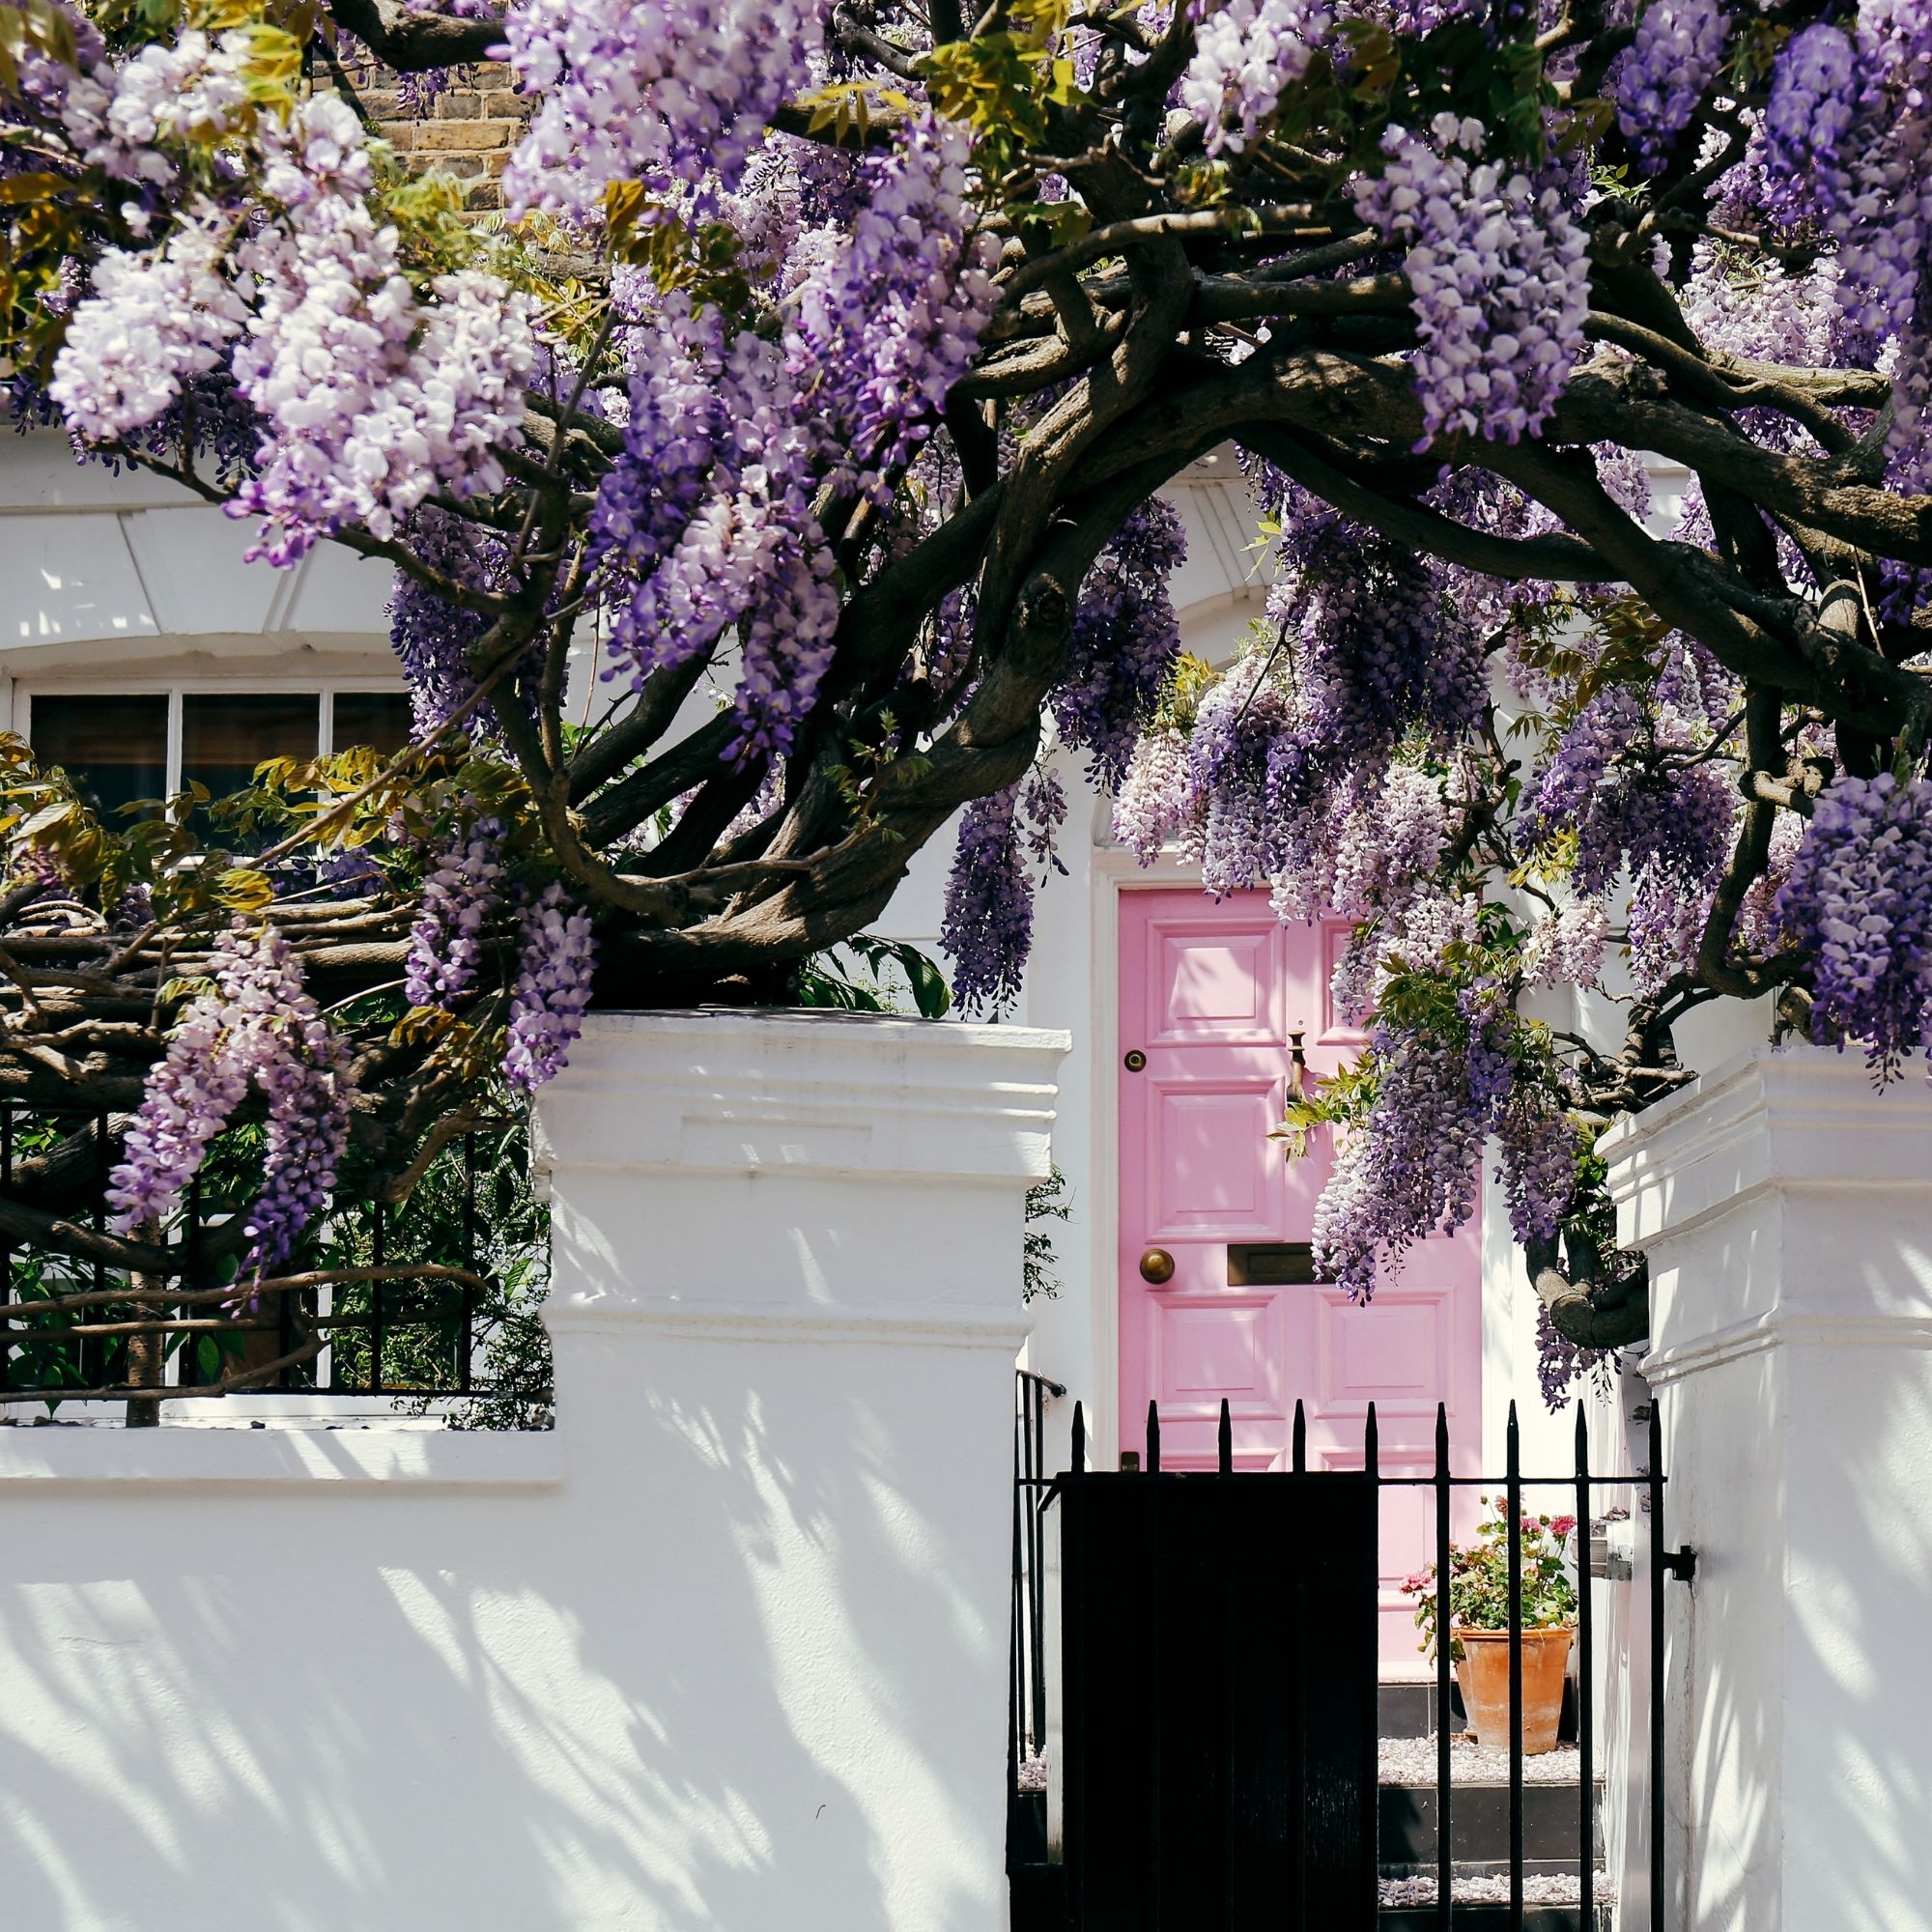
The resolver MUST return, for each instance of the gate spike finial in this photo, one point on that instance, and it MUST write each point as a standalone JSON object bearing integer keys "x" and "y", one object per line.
{"x": 1300, "y": 1438}
{"x": 1078, "y": 1459}
{"x": 1226, "y": 1438}
{"x": 1154, "y": 1438}
{"x": 1371, "y": 1445}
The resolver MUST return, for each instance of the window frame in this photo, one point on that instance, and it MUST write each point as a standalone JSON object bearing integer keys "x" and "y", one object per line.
{"x": 27, "y": 689}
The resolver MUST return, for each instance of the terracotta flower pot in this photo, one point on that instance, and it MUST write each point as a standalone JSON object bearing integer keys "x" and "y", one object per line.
{"x": 1482, "y": 1674}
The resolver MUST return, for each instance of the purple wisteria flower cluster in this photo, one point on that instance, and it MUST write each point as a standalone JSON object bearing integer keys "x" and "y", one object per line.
{"x": 892, "y": 314}
{"x": 1538, "y": 1171}
{"x": 557, "y": 955}
{"x": 258, "y": 1025}
{"x": 988, "y": 931}
{"x": 1675, "y": 57}
{"x": 1241, "y": 729}
{"x": 1152, "y": 804}
{"x": 1500, "y": 277}
{"x": 467, "y": 888}
{"x": 1381, "y": 652}
{"x": 1247, "y": 54}
{"x": 459, "y": 895}
{"x": 369, "y": 398}
{"x": 1849, "y": 144}
{"x": 707, "y": 525}
{"x": 1641, "y": 810}
{"x": 652, "y": 90}
{"x": 1125, "y": 639}
{"x": 1411, "y": 1168}
{"x": 1858, "y": 901}
{"x": 431, "y": 635}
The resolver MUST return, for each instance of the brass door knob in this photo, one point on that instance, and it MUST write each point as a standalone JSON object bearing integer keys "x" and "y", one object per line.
{"x": 1157, "y": 1266}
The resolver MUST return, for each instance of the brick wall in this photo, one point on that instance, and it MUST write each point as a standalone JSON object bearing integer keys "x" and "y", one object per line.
{"x": 467, "y": 132}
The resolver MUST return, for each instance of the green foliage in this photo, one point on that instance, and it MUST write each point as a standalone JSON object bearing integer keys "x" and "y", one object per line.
{"x": 1457, "y": 69}
{"x": 1188, "y": 680}
{"x": 867, "y": 979}
{"x": 849, "y": 107}
{"x": 681, "y": 254}
{"x": 1005, "y": 84}
{"x": 1046, "y": 1201}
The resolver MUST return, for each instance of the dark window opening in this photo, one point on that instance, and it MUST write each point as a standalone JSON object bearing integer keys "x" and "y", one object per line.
{"x": 379, "y": 718}
{"x": 114, "y": 749}
{"x": 225, "y": 736}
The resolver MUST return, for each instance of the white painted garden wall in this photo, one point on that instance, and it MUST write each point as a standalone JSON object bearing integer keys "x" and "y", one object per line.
{"x": 1786, "y": 1212}
{"x": 725, "y": 1652}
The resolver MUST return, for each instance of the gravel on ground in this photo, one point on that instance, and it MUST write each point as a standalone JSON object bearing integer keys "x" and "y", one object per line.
{"x": 1413, "y": 1761}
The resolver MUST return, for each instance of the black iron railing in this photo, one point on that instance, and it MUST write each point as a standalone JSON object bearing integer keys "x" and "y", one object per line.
{"x": 1123, "y": 1558}
{"x": 433, "y": 1300}
{"x": 1027, "y": 1705}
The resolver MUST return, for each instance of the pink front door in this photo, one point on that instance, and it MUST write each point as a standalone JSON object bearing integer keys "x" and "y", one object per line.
{"x": 1209, "y": 994}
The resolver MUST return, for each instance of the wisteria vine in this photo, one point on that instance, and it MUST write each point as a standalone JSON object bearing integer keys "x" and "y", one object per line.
{"x": 786, "y": 477}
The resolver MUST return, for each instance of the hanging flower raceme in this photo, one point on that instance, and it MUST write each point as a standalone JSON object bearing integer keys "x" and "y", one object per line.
{"x": 1247, "y": 54}
{"x": 1849, "y": 144}
{"x": 150, "y": 322}
{"x": 732, "y": 540}
{"x": 1677, "y": 49}
{"x": 652, "y": 91}
{"x": 1857, "y": 903}
{"x": 557, "y": 955}
{"x": 1125, "y": 639}
{"x": 1410, "y": 1167}
{"x": 1501, "y": 275}
{"x": 460, "y": 896}
{"x": 431, "y": 634}
{"x": 370, "y": 399}
{"x": 1539, "y": 1161}
{"x": 258, "y": 1025}
{"x": 1374, "y": 849}
{"x": 1239, "y": 725}
{"x": 890, "y": 315}
{"x": 1152, "y": 804}
{"x": 1810, "y": 124}
{"x": 988, "y": 931}
{"x": 1658, "y": 810}
{"x": 1381, "y": 652}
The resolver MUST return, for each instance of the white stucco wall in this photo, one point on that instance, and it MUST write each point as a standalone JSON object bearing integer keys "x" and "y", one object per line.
{"x": 1784, "y": 1208}
{"x": 725, "y": 1651}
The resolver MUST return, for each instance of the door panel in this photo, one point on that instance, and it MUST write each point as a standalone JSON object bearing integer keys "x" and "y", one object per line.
{"x": 1210, "y": 993}
{"x": 1214, "y": 984}
{"x": 1205, "y": 1180}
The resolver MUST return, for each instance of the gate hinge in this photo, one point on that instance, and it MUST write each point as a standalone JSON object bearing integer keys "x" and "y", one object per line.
{"x": 1682, "y": 1564}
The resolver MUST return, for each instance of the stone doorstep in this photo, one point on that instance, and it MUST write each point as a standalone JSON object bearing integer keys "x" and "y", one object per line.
{"x": 1479, "y": 1828}
{"x": 1473, "y": 1918}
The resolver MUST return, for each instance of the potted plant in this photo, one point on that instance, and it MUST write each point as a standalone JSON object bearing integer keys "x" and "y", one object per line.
{"x": 1479, "y": 1616}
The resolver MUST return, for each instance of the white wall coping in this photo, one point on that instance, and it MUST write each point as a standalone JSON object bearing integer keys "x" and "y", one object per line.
{"x": 1790, "y": 1117}
{"x": 1760, "y": 1133}
{"x": 323, "y": 1461}
{"x": 748, "y": 1090}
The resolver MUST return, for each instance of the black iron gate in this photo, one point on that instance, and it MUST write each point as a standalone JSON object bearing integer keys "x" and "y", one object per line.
{"x": 1210, "y": 1783}
{"x": 1214, "y": 1786}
